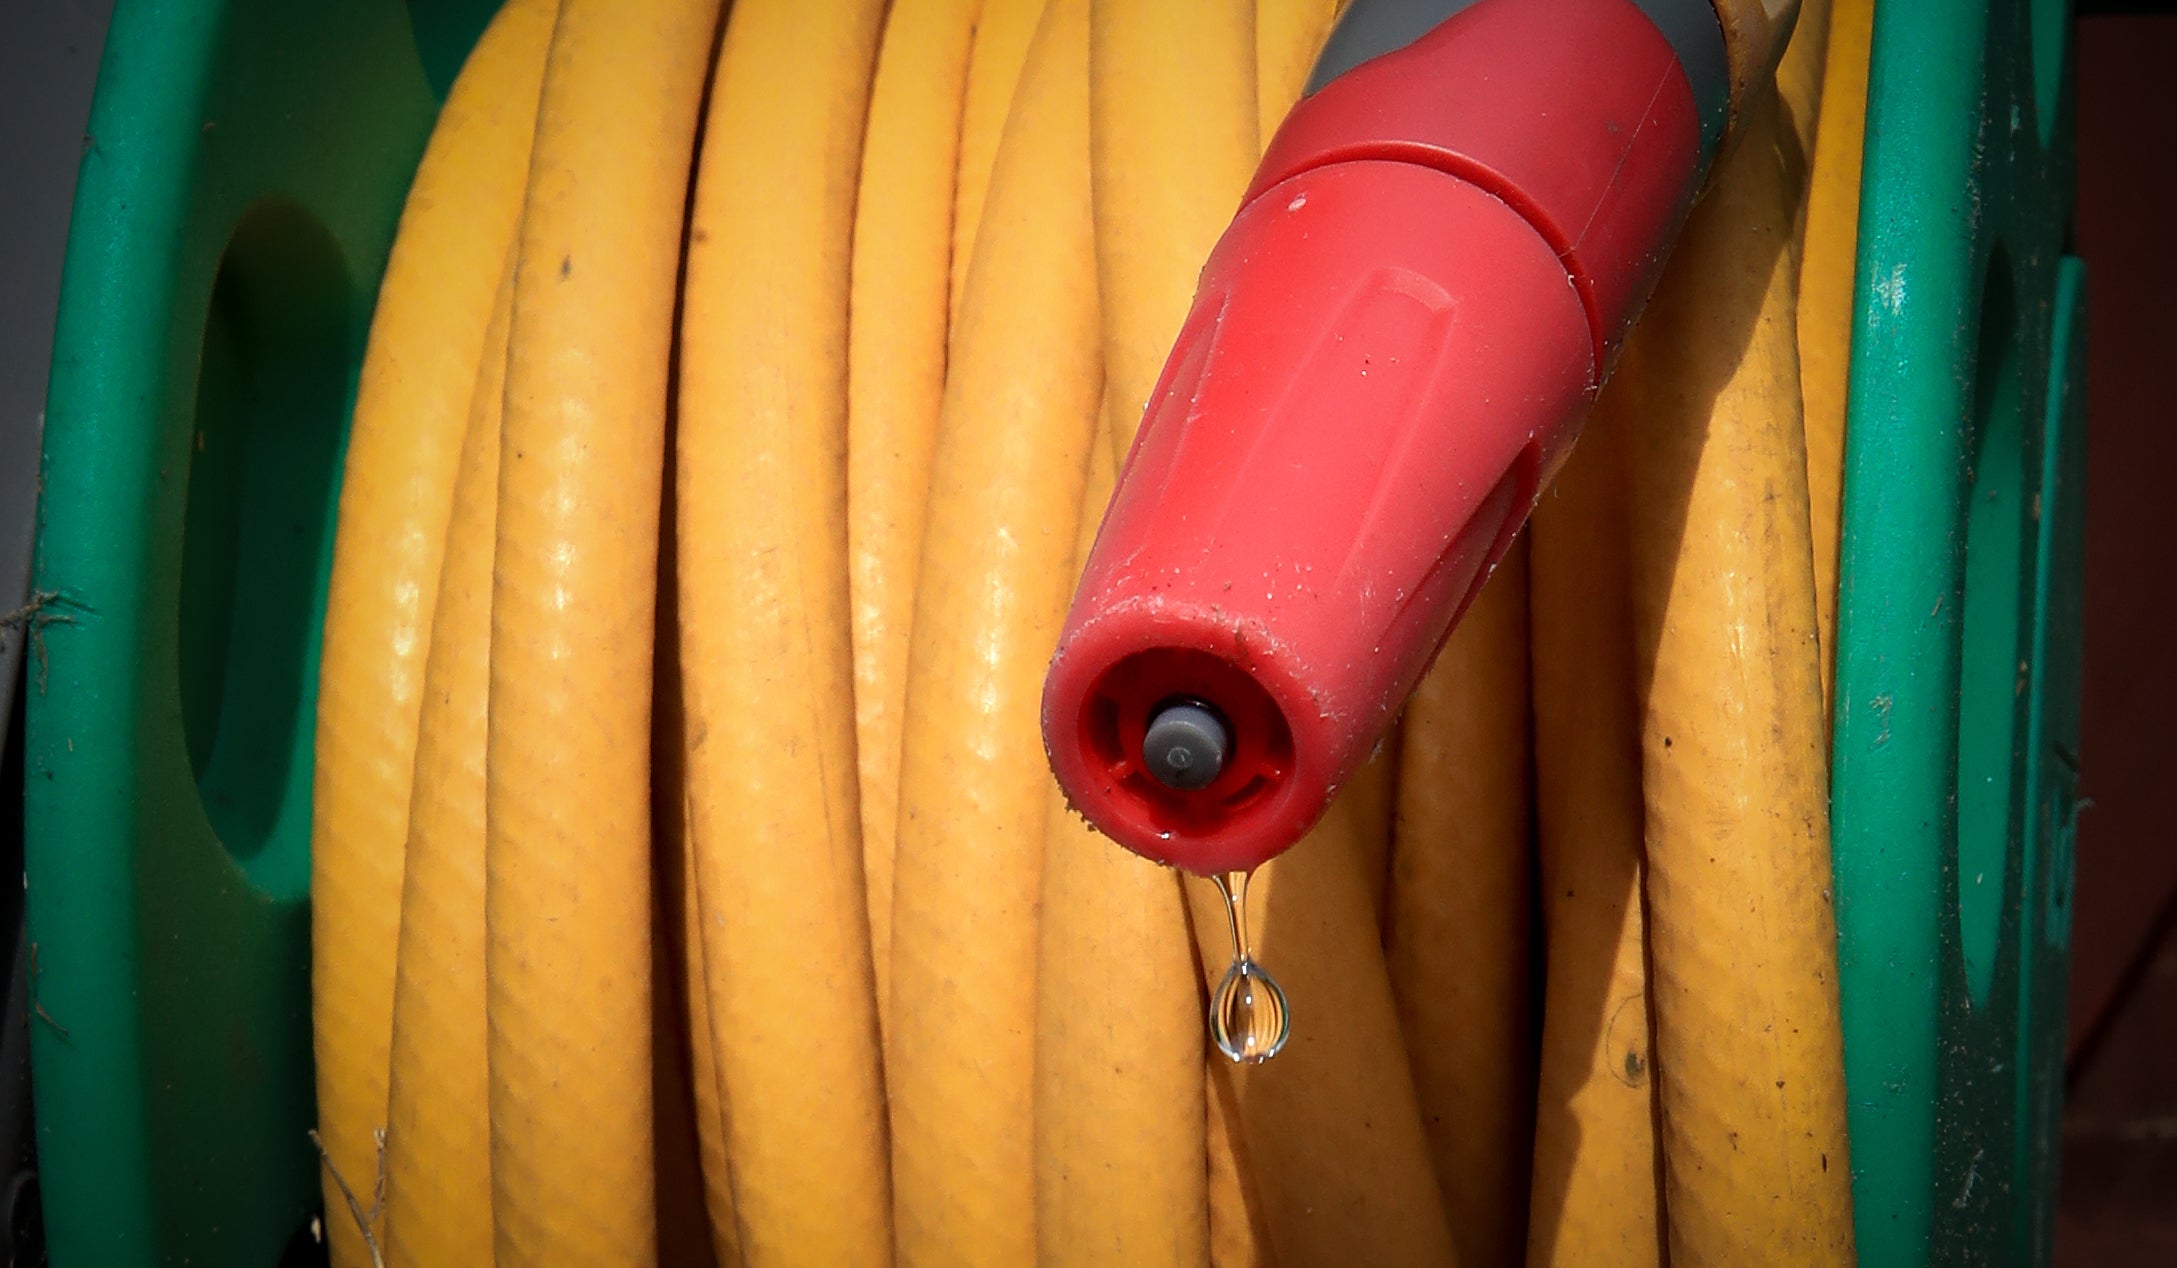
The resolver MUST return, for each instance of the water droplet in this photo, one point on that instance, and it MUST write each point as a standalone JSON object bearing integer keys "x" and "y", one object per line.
{"x": 1248, "y": 1017}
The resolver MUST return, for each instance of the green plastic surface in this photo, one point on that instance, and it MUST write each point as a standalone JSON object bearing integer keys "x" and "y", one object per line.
{"x": 1958, "y": 640}
{"x": 242, "y": 176}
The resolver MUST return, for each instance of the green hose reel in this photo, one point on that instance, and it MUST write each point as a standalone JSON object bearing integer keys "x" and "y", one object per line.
{"x": 1958, "y": 671}
{"x": 243, "y": 173}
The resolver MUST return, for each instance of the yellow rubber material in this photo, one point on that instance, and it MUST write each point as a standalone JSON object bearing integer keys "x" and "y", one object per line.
{"x": 568, "y": 894}
{"x": 1457, "y": 937}
{"x": 696, "y": 1221}
{"x": 1596, "y": 1195}
{"x": 1019, "y": 417}
{"x": 1003, "y": 31}
{"x": 1239, "y": 1233}
{"x": 685, "y": 1231}
{"x": 1742, "y": 937}
{"x": 1121, "y": 1170}
{"x": 1831, "y": 247}
{"x": 710, "y": 1105}
{"x": 1172, "y": 88}
{"x": 766, "y": 663}
{"x": 1288, "y": 34}
{"x": 1371, "y": 798}
{"x": 1799, "y": 88}
{"x": 438, "y": 1136}
{"x": 1330, "y": 1127}
{"x": 895, "y": 387}
{"x": 411, "y": 411}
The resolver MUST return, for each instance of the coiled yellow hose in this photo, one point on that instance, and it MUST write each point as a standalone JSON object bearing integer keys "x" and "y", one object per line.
{"x": 1596, "y": 1166}
{"x": 438, "y": 1150}
{"x": 1006, "y": 491}
{"x": 1287, "y": 35}
{"x": 568, "y": 843}
{"x": 1742, "y": 936}
{"x": 935, "y": 255}
{"x": 1825, "y": 297}
{"x": 1173, "y": 146}
{"x": 996, "y": 56}
{"x": 1596, "y": 1191}
{"x": 1331, "y": 1127}
{"x": 404, "y": 447}
{"x": 709, "y": 1098}
{"x": 765, "y": 657}
{"x": 1239, "y": 1232}
{"x": 900, "y": 313}
{"x": 1458, "y": 935}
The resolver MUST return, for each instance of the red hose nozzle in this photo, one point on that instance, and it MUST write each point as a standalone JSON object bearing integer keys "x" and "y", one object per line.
{"x": 1390, "y": 352}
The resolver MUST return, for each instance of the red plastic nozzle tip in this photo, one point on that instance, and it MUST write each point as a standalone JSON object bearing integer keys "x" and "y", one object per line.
{"x": 1339, "y": 450}
{"x": 1390, "y": 353}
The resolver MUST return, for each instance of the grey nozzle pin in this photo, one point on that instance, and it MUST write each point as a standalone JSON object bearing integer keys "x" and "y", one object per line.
{"x": 1185, "y": 746}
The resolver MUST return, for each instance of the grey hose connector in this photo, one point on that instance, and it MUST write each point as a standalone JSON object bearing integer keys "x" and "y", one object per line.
{"x": 1185, "y": 746}
{"x": 1371, "y": 28}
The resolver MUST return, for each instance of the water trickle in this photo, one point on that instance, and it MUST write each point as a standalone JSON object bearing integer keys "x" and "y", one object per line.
{"x": 1248, "y": 1017}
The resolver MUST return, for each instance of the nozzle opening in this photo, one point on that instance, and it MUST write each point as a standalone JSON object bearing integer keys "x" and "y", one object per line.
{"x": 1148, "y": 708}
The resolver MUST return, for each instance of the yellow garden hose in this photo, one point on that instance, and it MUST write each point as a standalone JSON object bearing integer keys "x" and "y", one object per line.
{"x": 1825, "y": 296}
{"x": 686, "y": 1232}
{"x": 996, "y": 56}
{"x": 1287, "y": 35}
{"x": 1742, "y": 935}
{"x": 704, "y": 595}
{"x": 568, "y": 893}
{"x": 1239, "y": 1231}
{"x": 710, "y": 1106}
{"x": 685, "y": 1054}
{"x": 1458, "y": 935}
{"x": 1019, "y": 416}
{"x": 1596, "y": 1190}
{"x": 411, "y": 410}
{"x": 1172, "y": 91}
{"x": 766, "y": 662}
{"x": 1799, "y": 83}
{"x": 438, "y": 1146}
{"x": 696, "y": 1220}
{"x": 895, "y": 388}
{"x": 1331, "y": 1127}
{"x": 1371, "y": 797}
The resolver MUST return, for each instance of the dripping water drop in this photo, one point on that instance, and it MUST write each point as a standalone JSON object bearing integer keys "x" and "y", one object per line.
{"x": 1248, "y": 1018}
